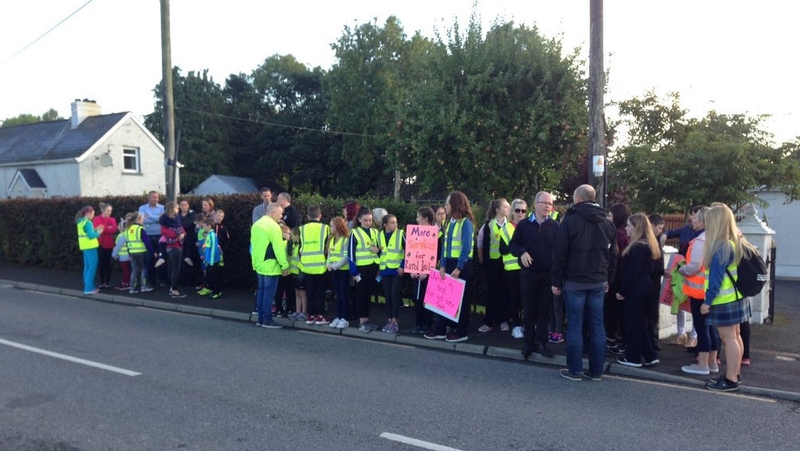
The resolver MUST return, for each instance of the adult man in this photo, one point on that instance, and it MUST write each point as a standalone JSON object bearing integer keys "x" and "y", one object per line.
{"x": 290, "y": 215}
{"x": 269, "y": 262}
{"x": 151, "y": 211}
{"x": 261, "y": 209}
{"x": 313, "y": 236}
{"x": 584, "y": 260}
{"x": 532, "y": 243}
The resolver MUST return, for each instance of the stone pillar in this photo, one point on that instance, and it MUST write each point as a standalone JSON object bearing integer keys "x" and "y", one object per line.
{"x": 760, "y": 236}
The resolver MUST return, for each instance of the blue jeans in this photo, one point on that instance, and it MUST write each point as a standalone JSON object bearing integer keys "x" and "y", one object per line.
{"x": 267, "y": 285}
{"x": 588, "y": 304}
{"x": 89, "y": 269}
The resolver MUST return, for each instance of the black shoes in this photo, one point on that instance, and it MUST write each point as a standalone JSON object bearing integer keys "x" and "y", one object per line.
{"x": 722, "y": 384}
{"x": 539, "y": 349}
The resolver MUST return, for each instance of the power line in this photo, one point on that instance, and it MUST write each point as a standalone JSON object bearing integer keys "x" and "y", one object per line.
{"x": 295, "y": 127}
{"x": 45, "y": 33}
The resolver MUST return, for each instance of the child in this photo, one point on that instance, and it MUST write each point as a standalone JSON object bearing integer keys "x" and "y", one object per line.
{"x": 211, "y": 260}
{"x": 301, "y": 301}
{"x": 120, "y": 253}
{"x": 392, "y": 258}
{"x": 337, "y": 266}
{"x": 138, "y": 244}
{"x": 424, "y": 317}
{"x": 87, "y": 241}
{"x": 201, "y": 218}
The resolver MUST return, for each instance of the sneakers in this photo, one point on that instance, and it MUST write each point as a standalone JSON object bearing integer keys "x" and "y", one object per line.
{"x": 320, "y": 320}
{"x": 716, "y": 379}
{"x": 713, "y": 369}
{"x": 271, "y": 325}
{"x": 133, "y": 291}
{"x": 455, "y": 338}
{"x": 517, "y": 332}
{"x": 617, "y": 349}
{"x": 205, "y": 291}
{"x": 310, "y": 319}
{"x": 696, "y": 369}
{"x": 159, "y": 262}
{"x": 722, "y": 384}
{"x": 626, "y": 362}
{"x": 386, "y": 326}
{"x": 594, "y": 377}
{"x": 216, "y": 295}
{"x": 333, "y": 323}
{"x": 556, "y": 338}
{"x": 745, "y": 362}
{"x": 342, "y": 324}
{"x": 484, "y": 328}
{"x": 95, "y": 291}
{"x": 392, "y": 328}
{"x": 188, "y": 261}
{"x": 431, "y": 335}
{"x": 122, "y": 287}
{"x": 176, "y": 294}
{"x": 366, "y": 327}
{"x": 576, "y": 377}
{"x": 504, "y": 327}
{"x": 653, "y": 362}
{"x": 300, "y": 316}
{"x": 146, "y": 289}
{"x": 681, "y": 339}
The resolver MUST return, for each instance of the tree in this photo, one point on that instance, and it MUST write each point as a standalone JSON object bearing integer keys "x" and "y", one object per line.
{"x": 671, "y": 161}
{"x": 23, "y": 119}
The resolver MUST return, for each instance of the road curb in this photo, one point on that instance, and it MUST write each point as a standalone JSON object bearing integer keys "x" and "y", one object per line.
{"x": 465, "y": 348}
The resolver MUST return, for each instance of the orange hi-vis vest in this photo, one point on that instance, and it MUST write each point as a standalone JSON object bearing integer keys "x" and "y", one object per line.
{"x": 694, "y": 286}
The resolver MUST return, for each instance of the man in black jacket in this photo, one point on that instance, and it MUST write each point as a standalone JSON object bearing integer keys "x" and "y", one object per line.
{"x": 584, "y": 260}
{"x": 532, "y": 244}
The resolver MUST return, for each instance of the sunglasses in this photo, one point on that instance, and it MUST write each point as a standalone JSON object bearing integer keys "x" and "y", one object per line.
{"x": 520, "y": 210}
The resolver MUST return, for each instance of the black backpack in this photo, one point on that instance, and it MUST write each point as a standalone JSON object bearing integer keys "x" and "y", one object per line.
{"x": 751, "y": 272}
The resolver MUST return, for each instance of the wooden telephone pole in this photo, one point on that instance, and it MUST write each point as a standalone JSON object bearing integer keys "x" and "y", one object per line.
{"x": 597, "y": 129}
{"x": 168, "y": 104}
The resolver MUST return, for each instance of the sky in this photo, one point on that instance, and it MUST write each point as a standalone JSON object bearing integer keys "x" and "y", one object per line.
{"x": 729, "y": 56}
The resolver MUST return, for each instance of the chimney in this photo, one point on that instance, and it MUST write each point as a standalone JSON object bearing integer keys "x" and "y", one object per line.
{"x": 81, "y": 109}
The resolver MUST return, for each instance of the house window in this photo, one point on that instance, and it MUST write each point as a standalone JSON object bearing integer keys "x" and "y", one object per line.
{"x": 131, "y": 161}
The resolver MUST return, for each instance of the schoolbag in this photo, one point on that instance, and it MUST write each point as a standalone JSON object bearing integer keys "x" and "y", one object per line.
{"x": 752, "y": 274}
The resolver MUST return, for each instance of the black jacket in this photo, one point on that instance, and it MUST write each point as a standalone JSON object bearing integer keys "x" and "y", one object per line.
{"x": 586, "y": 247}
{"x": 535, "y": 239}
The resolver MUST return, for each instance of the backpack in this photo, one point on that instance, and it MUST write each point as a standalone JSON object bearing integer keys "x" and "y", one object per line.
{"x": 752, "y": 274}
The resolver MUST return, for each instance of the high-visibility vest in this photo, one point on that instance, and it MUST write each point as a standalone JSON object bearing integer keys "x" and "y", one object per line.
{"x": 312, "y": 247}
{"x": 694, "y": 286}
{"x": 510, "y": 263}
{"x": 727, "y": 292}
{"x": 337, "y": 250}
{"x": 494, "y": 229}
{"x": 554, "y": 215}
{"x": 452, "y": 247}
{"x": 294, "y": 260}
{"x": 365, "y": 257}
{"x": 133, "y": 239}
{"x": 84, "y": 242}
{"x": 392, "y": 253}
{"x": 123, "y": 250}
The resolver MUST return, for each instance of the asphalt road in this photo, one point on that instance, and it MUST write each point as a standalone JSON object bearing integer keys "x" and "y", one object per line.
{"x": 177, "y": 381}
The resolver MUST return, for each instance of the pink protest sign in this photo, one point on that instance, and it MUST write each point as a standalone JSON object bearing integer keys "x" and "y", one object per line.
{"x": 421, "y": 248}
{"x": 444, "y": 296}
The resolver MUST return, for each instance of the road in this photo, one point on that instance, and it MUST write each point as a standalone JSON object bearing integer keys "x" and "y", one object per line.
{"x": 155, "y": 380}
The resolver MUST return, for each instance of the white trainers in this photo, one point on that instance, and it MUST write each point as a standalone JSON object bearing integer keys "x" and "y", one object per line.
{"x": 342, "y": 324}
{"x": 517, "y": 332}
{"x": 484, "y": 328}
{"x": 695, "y": 369}
{"x": 334, "y": 323}
{"x": 504, "y": 327}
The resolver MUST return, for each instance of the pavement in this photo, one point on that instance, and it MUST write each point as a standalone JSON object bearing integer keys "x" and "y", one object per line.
{"x": 775, "y": 348}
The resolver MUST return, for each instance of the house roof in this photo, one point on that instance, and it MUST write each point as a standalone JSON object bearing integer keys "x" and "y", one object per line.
{"x": 32, "y": 178}
{"x": 53, "y": 140}
{"x": 231, "y": 184}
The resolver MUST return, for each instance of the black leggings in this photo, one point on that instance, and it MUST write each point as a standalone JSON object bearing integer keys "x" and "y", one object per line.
{"x": 365, "y": 288}
{"x": 104, "y": 265}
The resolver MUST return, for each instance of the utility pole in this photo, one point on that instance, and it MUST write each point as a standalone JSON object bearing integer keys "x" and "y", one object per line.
{"x": 168, "y": 103}
{"x": 597, "y": 132}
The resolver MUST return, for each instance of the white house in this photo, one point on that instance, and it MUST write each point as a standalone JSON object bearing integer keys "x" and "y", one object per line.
{"x": 225, "y": 184}
{"x": 89, "y": 154}
{"x": 783, "y": 218}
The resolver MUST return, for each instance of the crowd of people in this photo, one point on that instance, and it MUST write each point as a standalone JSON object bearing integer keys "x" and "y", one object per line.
{"x": 593, "y": 273}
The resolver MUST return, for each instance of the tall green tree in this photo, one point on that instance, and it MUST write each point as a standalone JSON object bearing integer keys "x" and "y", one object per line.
{"x": 672, "y": 161}
{"x": 23, "y": 119}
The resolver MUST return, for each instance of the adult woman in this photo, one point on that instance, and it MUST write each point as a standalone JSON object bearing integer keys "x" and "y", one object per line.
{"x": 694, "y": 282}
{"x": 337, "y": 266}
{"x": 726, "y": 309}
{"x": 519, "y": 211}
{"x": 457, "y": 261}
{"x": 207, "y": 206}
{"x": 612, "y": 308}
{"x": 106, "y": 243}
{"x": 87, "y": 242}
{"x": 172, "y": 235}
{"x": 641, "y": 258}
{"x": 492, "y": 263}
{"x": 364, "y": 259}
{"x": 191, "y": 273}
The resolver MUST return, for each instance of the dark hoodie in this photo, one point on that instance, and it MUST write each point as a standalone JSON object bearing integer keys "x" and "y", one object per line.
{"x": 585, "y": 251}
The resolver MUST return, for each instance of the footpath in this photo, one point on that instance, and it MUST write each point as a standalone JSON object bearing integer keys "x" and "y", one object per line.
{"x": 774, "y": 352}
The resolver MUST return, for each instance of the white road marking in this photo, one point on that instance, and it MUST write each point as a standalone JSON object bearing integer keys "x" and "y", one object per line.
{"x": 415, "y": 442}
{"x": 70, "y": 358}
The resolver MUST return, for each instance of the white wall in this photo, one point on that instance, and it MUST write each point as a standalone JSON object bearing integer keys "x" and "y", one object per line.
{"x": 784, "y": 220}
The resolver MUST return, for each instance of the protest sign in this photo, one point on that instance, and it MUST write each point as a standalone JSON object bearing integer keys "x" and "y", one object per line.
{"x": 444, "y": 296}
{"x": 421, "y": 248}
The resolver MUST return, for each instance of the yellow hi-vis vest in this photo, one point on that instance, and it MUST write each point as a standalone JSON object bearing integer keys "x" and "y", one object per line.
{"x": 123, "y": 250}
{"x": 727, "y": 292}
{"x": 694, "y": 286}
{"x": 294, "y": 260}
{"x": 454, "y": 249}
{"x": 392, "y": 253}
{"x": 337, "y": 250}
{"x": 510, "y": 263}
{"x": 312, "y": 247}
{"x": 494, "y": 239}
{"x": 133, "y": 239}
{"x": 84, "y": 242}
{"x": 364, "y": 257}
